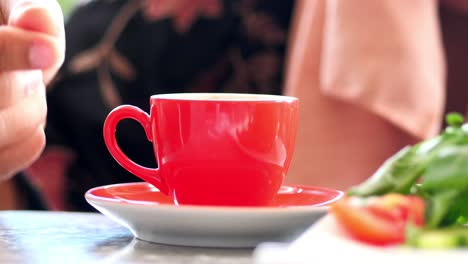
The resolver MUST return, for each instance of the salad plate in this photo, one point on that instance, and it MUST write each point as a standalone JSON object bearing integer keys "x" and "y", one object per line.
{"x": 153, "y": 216}
{"x": 325, "y": 239}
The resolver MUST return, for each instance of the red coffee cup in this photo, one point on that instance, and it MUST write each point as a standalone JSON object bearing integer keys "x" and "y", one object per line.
{"x": 213, "y": 149}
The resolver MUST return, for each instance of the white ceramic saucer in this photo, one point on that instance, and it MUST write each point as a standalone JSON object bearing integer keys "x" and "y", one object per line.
{"x": 153, "y": 217}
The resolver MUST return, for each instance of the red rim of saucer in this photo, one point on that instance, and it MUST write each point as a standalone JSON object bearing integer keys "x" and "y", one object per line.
{"x": 145, "y": 194}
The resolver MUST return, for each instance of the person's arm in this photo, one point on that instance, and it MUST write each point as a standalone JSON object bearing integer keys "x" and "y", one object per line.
{"x": 339, "y": 144}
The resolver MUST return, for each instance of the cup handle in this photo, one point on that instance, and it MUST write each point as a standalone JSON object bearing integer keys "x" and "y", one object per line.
{"x": 150, "y": 175}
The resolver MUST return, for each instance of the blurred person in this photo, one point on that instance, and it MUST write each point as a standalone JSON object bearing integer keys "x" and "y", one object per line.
{"x": 371, "y": 78}
{"x": 31, "y": 51}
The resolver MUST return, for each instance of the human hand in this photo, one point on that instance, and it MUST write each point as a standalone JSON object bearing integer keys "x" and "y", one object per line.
{"x": 32, "y": 45}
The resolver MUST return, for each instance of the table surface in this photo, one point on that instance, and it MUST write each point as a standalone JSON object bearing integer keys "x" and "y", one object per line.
{"x": 66, "y": 237}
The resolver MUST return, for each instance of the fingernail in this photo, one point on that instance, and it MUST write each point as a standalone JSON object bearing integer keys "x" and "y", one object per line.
{"x": 40, "y": 56}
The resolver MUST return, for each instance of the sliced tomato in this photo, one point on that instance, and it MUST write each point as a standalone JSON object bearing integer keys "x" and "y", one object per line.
{"x": 379, "y": 220}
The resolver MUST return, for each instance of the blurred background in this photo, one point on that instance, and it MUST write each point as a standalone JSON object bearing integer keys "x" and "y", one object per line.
{"x": 372, "y": 77}
{"x": 67, "y": 5}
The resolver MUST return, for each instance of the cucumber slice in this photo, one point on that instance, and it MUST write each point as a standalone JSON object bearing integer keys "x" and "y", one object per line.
{"x": 439, "y": 239}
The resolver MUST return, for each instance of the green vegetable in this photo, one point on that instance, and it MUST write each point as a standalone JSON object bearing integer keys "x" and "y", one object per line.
{"x": 436, "y": 169}
{"x": 438, "y": 239}
{"x": 454, "y": 119}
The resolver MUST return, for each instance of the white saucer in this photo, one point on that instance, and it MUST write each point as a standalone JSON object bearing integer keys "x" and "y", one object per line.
{"x": 152, "y": 216}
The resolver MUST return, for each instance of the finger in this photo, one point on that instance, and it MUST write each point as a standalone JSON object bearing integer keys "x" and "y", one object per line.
{"x": 21, "y": 50}
{"x": 19, "y": 120}
{"x": 15, "y": 158}
{"x": 44, "y": 16}
{"x": 41, "y": 16}
{"x": 16, "y": 85}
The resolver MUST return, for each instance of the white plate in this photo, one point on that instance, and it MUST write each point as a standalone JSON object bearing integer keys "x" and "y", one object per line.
{"x": 152, "y": 216}
{"x": 325, "y": 241}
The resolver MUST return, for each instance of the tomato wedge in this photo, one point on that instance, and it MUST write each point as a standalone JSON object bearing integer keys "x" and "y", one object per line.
{"x": 379, "y": 220}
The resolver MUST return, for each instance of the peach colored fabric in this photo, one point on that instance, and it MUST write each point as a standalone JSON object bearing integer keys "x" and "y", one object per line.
{"x": 370, "y": 77}
{"x": 384, "y": 55}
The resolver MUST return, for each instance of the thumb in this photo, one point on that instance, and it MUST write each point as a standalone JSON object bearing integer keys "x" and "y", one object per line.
{"x": 44, "y": 16}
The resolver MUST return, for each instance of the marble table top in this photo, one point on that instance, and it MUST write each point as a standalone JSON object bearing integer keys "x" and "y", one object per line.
{"x": 66, "y": 237}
